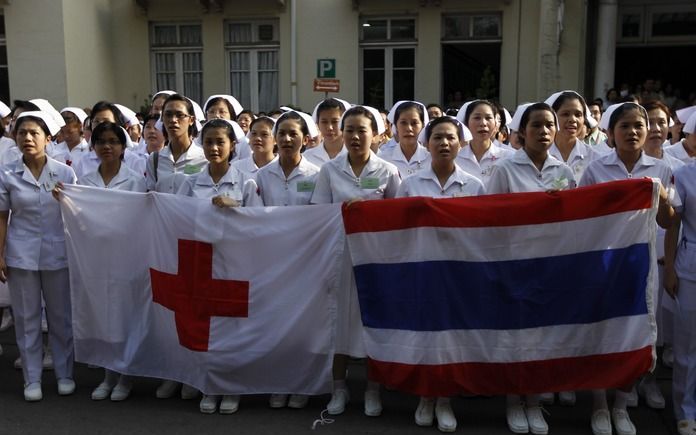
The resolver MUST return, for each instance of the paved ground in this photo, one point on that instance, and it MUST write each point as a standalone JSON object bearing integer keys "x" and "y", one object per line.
{"x": 142, "y": 413}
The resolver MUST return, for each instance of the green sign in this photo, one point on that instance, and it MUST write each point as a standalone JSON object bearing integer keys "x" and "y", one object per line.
{"x": 326, "y": 68}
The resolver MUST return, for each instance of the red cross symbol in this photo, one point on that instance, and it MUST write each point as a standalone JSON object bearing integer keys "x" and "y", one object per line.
{"x": 195, "y": 296}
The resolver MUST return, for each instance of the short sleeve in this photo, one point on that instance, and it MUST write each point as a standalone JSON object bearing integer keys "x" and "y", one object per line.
{"x": 393, "y": 183}
{"x": 150, "y": 181}
{"x": 186, "y": 188}
{"x": 4, "y": 193}
{"x": 322, "y": 189}
{"x": 588, "y": 178}
{"x": 250, "y": 194}
{"x": 498, "y": 182}
{"x": 402, "y": 191}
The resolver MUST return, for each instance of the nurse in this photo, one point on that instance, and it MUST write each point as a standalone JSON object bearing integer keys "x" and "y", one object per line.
{"x": 680, "y": 283}
{"x": 685, "y": 150}
{"x": 568, "y": 146}
{"x": 327, "y": 115}
{"x": 226, "y": 187}
{"x": 531, "y": 169}
{"x": 443, "y": 179}
{"x": 263, "y": 146}
{"x": 357, "y": 175}
{"x": 288, "y": 181}
{"x": 477, "y": 159}
{"x": 227, "y": 107}
{"x": 628, "y": 129}
{"x": 167, "y": 169}
{"x": 408, "y": 119}
{"x": 74, "y": 146}
{"x": 34, "y": 261}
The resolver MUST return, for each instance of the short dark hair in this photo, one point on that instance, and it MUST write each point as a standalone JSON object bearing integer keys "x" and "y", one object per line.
{"x": 360, "y": 110}
{"x": 193, "y": 130}
{"x": 112, "y": 127}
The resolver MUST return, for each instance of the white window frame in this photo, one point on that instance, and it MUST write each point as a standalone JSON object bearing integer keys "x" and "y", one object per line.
{"x": 388, "y": 46}
{"x": 471, "y": 38}
{"x": 658, "y": 9}
{"x": 178, "y": 51}
{"x": 253, "y": 48}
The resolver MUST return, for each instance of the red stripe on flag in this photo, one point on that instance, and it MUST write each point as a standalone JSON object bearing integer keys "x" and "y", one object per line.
{"x": 605, "y": 371}
{"x": 499, "y": 210}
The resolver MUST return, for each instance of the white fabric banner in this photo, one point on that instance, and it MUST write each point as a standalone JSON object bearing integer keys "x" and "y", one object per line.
{"x": 230, "y": 301}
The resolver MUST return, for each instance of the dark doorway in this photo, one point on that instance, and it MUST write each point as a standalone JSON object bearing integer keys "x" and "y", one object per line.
{"x": 469, "y": 71}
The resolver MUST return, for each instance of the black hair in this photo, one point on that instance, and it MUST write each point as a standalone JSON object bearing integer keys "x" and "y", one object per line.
{"x": 474, "y": 104}
{"x": 442, "y": 120}
{"x": 102, "y": 106}
{"x": 360, "y": 110}
{"x": 150, "y": 117}
{"x": 407, "y": 106}
{"x": 292, "y": 115}
{"x": 625, "y": 107}
{"x": 115, "y": 129}
{"x": 569, "y": 95}
{"x": 528, "y": 112}
{"x": 229, "y": 131}
{"x": 431, "y": 105}
{"x": 328, "y": 104}
{"x": 193, "y": 130}
{"x": 24, "y": 105}
{"x": 262, "y": 120}
{"x": 247, "y": 112}
{"x": 216, "y": 100}
{"x": 35, "y": 119}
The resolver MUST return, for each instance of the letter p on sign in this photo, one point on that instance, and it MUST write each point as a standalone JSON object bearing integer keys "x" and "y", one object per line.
{"x": 326, "y": 68}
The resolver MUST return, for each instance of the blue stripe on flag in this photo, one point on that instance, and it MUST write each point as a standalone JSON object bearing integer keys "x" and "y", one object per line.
{"x": 585, "y": 287}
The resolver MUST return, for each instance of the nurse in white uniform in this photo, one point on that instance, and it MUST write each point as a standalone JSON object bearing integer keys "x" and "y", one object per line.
{"x": 227, "y": 107}
{"x": 628, "y": 129}
{"x": 263, "y": 146}
{"x": 680, "y": 283}
{"x": 408, "y": 119}
{"x": 443, "y": 179}
{"x": 685, "y": 150}
{"x": 167, "y": 169}
{"x": 34, "y": 259}
{"x": 479, "y": 116}
{"x": 568, "y": 146}
{"x": 357, "y": 175}
{"x": 531, "y": 169}
{"x": 327, "y": 116}
{"x": 74, "y": 145}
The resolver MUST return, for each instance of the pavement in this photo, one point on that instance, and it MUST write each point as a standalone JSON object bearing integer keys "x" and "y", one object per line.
{"x": 142, "y": 413}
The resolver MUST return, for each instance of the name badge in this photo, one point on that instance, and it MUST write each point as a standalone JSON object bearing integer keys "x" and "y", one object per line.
{"x": 369, "y": 183}
{"x": 305, "y": 186}
{"x": 192, "y": 169}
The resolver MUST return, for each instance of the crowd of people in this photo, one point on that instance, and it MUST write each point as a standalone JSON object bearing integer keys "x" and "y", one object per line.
{"x": 342, "y": 153}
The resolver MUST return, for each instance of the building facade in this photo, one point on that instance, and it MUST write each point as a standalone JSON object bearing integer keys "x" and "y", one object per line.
{"x": 268, "y": 53}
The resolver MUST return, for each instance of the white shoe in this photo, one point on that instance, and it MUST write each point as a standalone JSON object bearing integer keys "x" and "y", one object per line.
{"x": 667, "y": 357}
{"x": 298, "y": 401}
{"x": 18, "y": 363}
{"x": 229, "y": 404}
{"x": 47, "y": 361}
{"x": 7, "y": 320}
{"x": 535, "y": 420}
{"x": 32, "y": 392}
{"x": 425, "y": 411}
{"x": 121, "y": 391}
{"x": 278, "y": 401}
{"x": 601, "y": 422}
{"x": 651, "y": 393}
{"x": 66, "y": 386}
{"x": 546, "y": 398}
{"x": 517, "y": 419}
{"x": 166, "y": 389}
{"x": 373, "y": 403}
{"x": 622, "y": 422}
{"x": 188, "y": 392}
{"x": 632, "y": 399}
{"x": 338, "y": 401}
{"x": 102, "y": 391}
{"x": 566, "y": 398}
{"x": 209, "y": 404}
{"x": 446, "y": 421}
{"x": 686, "y": 427}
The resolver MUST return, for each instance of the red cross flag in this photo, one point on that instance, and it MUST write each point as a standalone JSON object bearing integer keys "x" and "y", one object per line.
{"x": 230, "y": 301}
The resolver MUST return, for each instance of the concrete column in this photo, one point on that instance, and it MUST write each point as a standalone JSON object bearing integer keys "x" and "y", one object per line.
{"x": 549, "y": 47}
{"x": 606, "y": 47}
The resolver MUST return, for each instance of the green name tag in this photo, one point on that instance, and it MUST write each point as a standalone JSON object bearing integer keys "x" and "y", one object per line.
{"x": 369, "y": 183}
{"x": 192, "y": 169}
{"x": 305, "y": 186}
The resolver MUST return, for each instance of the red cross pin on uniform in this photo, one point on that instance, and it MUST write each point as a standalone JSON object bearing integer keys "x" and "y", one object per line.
{"x": 195, "y": 296}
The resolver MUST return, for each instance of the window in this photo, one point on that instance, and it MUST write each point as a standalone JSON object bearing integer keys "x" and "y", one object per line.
{"x": 471, "y": 27}
{"x": 4, "y": 74}
{"x": 657, "y": 24}
{"x": 388, "y": 60}
{"x": 673, "y": 24}
{"x": 177, "y": 58}
{"x": 252, "y": 52}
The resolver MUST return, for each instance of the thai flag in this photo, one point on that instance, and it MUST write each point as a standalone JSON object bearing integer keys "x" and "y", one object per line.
{"x": 520, "y": 293}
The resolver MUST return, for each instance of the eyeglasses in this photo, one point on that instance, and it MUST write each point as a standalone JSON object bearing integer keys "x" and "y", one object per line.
{"x": 175, "y": 115}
